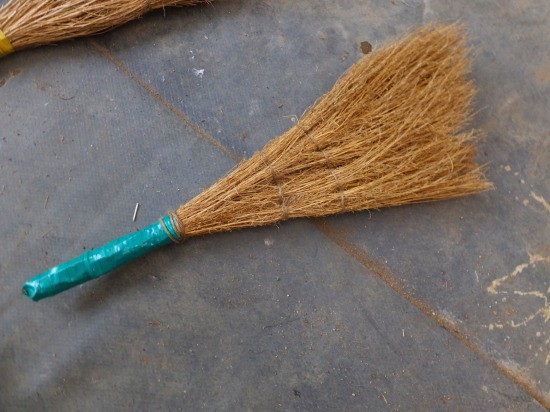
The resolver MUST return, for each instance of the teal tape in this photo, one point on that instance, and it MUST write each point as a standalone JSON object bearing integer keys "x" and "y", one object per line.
{"x": 97, "y": 262}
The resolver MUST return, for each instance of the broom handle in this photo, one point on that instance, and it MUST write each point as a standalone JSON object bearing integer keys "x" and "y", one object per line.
{"x": 97, "y": 262}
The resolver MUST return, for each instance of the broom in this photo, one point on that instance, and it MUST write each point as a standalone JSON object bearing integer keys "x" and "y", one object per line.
{"x": 387, "y": 134}
{"x": 30, "y": 23}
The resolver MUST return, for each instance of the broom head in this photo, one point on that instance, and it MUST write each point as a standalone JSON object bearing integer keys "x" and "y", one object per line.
{"x": 390, "y": 132}
{"x": 31, "y": 23}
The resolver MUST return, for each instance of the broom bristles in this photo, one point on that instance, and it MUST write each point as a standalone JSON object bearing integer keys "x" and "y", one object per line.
{"x": 31, "y": 23}
{"x": 389, "y": 133}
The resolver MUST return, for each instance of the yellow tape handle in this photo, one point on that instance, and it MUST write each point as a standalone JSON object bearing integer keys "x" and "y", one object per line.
{"x": 5, "y": 45}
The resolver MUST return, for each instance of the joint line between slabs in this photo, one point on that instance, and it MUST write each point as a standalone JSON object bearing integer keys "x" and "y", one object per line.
{"x": 158, "y": 97}
{"x": 385, "y": 275}
{"x": 374, "y": 267}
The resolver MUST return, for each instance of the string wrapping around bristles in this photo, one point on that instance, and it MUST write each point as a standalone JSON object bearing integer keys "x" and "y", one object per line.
{"x": 31, "y": 23}
{"x": 389, "y": 133}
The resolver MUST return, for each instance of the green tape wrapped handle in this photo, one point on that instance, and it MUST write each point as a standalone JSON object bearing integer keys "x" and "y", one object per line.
{"x": 97, "y": 262}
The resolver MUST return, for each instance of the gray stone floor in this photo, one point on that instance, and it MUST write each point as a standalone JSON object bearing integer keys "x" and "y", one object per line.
{"x": 440, "y": 306}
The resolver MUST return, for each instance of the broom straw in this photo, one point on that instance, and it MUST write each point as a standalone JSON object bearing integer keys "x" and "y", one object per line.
{"x": 389, "y": 133}
{"x": 30, "y": 23}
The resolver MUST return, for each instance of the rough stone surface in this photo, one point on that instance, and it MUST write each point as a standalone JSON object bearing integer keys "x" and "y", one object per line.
{"x": 440, "y": 306}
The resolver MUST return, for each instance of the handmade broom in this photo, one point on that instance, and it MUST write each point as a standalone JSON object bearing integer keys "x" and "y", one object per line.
{"x": 30, "y": 23}
{"x": 387, "y": 134}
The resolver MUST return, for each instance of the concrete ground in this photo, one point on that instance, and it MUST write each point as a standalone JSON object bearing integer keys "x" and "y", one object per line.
{"x": 440, "y": 306}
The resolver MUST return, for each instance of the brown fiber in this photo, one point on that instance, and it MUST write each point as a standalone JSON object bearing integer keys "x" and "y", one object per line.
{"x": 389, "y": 133}
{"x": 30, "y": 23}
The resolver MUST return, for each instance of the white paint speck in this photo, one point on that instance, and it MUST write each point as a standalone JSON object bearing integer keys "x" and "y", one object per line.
{"x": 198, "y": 72}
{"x": 269, "y": 241}
{"x": 541, "y": 200}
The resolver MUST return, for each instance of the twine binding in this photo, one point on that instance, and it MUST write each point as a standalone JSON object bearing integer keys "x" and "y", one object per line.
{"x": 177, "y": 225}
{"x": 277, "y": 183}
{"x": 328, "y": 165}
